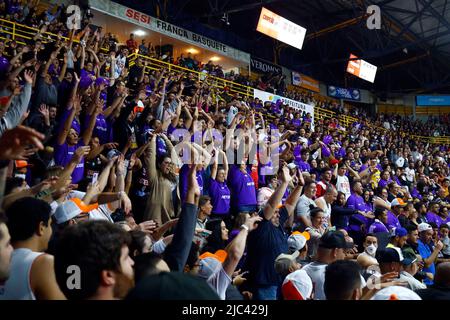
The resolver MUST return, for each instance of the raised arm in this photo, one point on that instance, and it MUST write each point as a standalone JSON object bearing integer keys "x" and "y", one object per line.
{"x": 87, "y": 133}
{"x": 215, "y": 164}
{"x": 177, "y": 252}
{"x": 293, "y": 197}
{"x": 276, "y": 197}
{"x": 68, "y": 123}
{"x": 236, "y": 247}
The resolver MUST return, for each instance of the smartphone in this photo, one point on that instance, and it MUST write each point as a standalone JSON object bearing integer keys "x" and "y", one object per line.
{"x": 95, "y": 177}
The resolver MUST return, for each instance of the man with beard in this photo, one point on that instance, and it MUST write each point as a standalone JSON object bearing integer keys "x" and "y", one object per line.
{"x": 100, "y": 251}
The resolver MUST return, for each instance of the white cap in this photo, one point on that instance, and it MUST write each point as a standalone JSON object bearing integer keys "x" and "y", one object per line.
{"x": 264, "y": 195}
{"x": 284, "y": 261}
{"x": 424, "y": 227}
{"x": 292, "y": 165}
{"x": 297, "y": 240}
{"x": 396, "y": 293}
{"x": 66, "y": 211}
{"x": 297, "y": 286}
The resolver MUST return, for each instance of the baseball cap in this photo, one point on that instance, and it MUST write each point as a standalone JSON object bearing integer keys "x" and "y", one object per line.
{"x": 70, "y": 209}
{"x": 139, "y": 107}
{"x": 396, "y": 293}
{"x": 297, "y": 286}
{"x": 333, "y": 240}
{"x": 389, "y": 255}
{"x": 210, "y": 263}
{"x": 399, "y": 232}
{"x": 101, "y": 80}
{"x": 409, "y": 257}
{"x": 292, "y": 165}
{"x": 333, "y": 162}
{"x": 424, "y": 227}
{"x": 398, "y": 202}
{"x": 172, "y": 286}
{"x": 297, "y": 240}
{"x": 20, "y": 164}
{"x": 284, "y": 261}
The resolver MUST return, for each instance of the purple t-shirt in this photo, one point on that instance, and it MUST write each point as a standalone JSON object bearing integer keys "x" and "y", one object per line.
{"x": 220, "y": 196}
{"x": 297, "y": 122}
{"x": 101, "y": 128}
{"x": 392, "y": 221}
{"x": 383, "y": 183}
{"x": 242, "y": 187}
{"x": 75, "y": 124}
{"x": 184, "y": 172}
{"x": 63, "y": 155}
{"x": 304, "y": 166}
{"x": 356, "y": 202}
{"x": 377, "y": 227}
{"x": 432, "y": 217}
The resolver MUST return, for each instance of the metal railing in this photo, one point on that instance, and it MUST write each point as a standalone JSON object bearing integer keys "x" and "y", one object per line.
{"x": 20, "y": 33}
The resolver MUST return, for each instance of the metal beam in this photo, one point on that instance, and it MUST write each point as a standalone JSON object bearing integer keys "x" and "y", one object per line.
{"x": 436, "y": 14}
{"x": 241, "y": 8}
{"x": 336, "y": 27}
{"x": 386, "y": 51}
{"x": 403, "y": 62}
{"x": 417, "y": 16}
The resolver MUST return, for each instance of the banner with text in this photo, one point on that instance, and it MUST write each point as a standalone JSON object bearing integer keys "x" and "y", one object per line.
{"x": 344, "y": 93}
{"x": 262, "y": 66}
{"x": 297, "y": 105}
{"x": 433, "y": 101}
{"x": 306, "y": 82}
{"x": 168, "y": 29}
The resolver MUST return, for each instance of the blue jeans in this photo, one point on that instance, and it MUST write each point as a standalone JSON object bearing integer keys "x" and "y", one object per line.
{"x": 266, "y": 293}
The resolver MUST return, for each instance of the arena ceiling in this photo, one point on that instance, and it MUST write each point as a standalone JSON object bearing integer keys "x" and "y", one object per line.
{"x": 411, "y": 50}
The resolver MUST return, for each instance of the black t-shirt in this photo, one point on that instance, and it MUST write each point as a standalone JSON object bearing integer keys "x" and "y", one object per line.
{"x": 264, "y": 245}
{"x": 434, "y": 293}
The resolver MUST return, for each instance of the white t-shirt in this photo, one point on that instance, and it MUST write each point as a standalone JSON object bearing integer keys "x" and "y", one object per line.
{"x": 316, "y": 271}
{"x": 413, "y": 283}
{"x": 220, "y": 282}
{"x": 343, "y": 185}
{"x": 327, "y": 208}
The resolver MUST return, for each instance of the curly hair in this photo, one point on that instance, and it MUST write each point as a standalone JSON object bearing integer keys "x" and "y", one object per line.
{"x": 93, "y": 246}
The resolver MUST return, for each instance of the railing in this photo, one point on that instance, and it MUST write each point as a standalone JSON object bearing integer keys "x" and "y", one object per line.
{"x": 155, "y": 64}
{"x": 20, "y": 33}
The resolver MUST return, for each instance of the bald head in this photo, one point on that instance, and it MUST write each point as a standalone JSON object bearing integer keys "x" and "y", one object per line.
{"x": 442, "y": 277}
{"x": 366, "y": 261}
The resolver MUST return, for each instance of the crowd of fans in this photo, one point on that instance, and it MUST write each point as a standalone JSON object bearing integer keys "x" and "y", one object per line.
{"x": 134, "y": 179}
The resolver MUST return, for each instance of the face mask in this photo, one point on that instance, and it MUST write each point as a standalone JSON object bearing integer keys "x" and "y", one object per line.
{"x": 19, "y": 175}
{"x": 370, "y": 250}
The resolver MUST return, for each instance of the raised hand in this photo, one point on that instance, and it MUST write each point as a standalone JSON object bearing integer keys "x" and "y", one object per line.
{"x": 82, "y": 151}
{"x": 285, "y": 177}
{"x": 251, "y": 222}
{"x": 14, "y": 143}
{"x": 148, "y": 226}
{"x": 28, "y": 76}
{"x": 111, "y": 145}
{"x": 30, "y": 63}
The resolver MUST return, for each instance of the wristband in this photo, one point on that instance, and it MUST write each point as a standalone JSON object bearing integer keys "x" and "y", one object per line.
{"x": 245, "y": 227}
